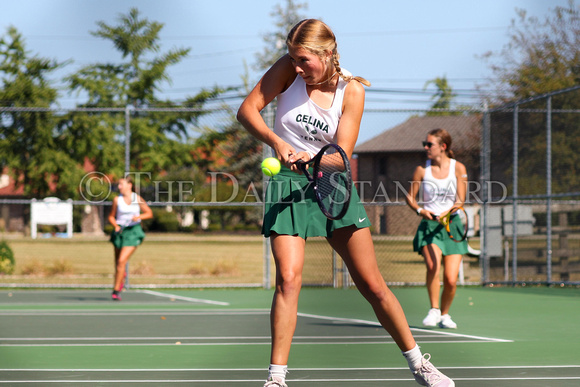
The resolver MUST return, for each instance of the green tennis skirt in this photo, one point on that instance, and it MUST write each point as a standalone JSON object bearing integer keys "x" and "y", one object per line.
{"x": 432, "y": 232}
{"x": 129, "y": 236}
{"x": 291, "y": 209}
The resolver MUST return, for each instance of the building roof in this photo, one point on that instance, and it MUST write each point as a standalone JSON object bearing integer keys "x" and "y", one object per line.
{"x": 407, "y": 137}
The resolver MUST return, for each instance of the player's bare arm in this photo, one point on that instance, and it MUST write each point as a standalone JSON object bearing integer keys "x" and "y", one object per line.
{"x": 349, "y": 126}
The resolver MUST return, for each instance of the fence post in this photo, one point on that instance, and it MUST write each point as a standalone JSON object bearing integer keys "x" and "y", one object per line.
{"x": 549, "y": 191}
{"x": 515, "y": 196}
{"x": 128, "y": 109}
{"x": 485, "y": 168}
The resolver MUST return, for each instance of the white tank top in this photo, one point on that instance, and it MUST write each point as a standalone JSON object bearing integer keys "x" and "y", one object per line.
{"x": 439, "y": 194}
{"x": 126, "y": 212}
{"x": 302, "y": 123}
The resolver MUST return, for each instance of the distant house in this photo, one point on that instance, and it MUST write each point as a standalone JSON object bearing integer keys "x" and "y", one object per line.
{"x": 12, "y": 216}
{"x": 386, "y": 164}
{"x": 15, "y": 217}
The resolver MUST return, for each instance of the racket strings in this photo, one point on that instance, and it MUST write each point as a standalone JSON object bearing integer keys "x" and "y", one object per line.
{"x": 333, "y": 183}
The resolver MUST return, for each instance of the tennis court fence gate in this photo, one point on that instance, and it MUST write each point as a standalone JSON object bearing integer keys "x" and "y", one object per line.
{"x": 526, "y": 219}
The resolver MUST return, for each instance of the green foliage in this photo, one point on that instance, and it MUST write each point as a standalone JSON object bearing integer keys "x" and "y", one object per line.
{"x": 541, "y": 56}
{"x": 33, "y": 151}
{"x": 6, "y": 258}
{"x": 135, "y": 38}
{"x": 164, "y": 221}
{"x": 157, "y": 138}
{"x": 244, "y": 156}
{"x": 244, "y": 151}
{"x": 178, "y": 184}
{"x": 444, "y": 96}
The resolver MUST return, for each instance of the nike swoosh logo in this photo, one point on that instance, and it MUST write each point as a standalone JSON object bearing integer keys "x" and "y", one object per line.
{"x": 361, "y": 220}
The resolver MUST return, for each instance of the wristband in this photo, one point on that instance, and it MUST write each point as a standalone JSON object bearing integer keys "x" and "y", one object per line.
{"x": 419, "y": 210}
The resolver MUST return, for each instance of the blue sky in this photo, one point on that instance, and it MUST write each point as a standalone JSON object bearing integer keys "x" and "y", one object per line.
{"x": 395, "y": 44}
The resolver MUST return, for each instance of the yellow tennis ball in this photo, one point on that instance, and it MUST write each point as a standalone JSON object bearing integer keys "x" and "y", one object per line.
{"x": 270, "y": 166}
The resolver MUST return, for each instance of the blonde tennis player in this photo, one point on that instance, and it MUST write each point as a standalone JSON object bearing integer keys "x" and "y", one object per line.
{"x": 318, "y": 102}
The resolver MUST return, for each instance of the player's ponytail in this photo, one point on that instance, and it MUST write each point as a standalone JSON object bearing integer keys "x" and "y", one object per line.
{"x": 444, "y": 138}
{"x": 348, "y": 78}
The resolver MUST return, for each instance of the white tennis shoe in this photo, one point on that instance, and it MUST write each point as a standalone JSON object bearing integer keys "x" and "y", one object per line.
{"x": 446, "y": 322}
{"x": 433, "y": 318}
{"x": 428, "y": 375}
{"x": 275, "y": 382}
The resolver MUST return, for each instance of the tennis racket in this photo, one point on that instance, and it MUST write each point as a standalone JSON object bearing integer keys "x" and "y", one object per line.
{"x": 332, "y": 180}
{"x": 455, "y": 216}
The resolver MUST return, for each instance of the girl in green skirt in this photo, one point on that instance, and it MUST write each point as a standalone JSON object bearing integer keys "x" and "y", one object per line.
{"x": 127, "y": 212}
{"x": 318, "y": 103}
{"x": 442, "y": 182}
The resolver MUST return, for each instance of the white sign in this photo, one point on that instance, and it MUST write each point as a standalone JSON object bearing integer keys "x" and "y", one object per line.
{"x": 51, "y": 211}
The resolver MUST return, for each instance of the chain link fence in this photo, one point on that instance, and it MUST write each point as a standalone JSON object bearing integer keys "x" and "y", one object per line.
{"x": 521, "y": 168}
{"x": 532, "y": 224}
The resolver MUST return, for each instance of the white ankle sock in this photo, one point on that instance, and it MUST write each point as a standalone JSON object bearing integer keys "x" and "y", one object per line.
{"x": 414, "y": 357}
{"x": 278, "y": 371}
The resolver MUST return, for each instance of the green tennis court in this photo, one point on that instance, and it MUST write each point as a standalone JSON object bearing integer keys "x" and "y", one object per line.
{"x": 506, "y": 337}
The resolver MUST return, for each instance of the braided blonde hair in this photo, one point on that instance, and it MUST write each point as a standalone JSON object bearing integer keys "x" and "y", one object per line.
{"x": 316, "y": 37}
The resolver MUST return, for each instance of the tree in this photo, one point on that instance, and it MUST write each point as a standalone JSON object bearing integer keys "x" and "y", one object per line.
{"x": 30, "y": 148}
{"x": 275, "y": 42}
{"x": 242, "y": 150}
{"x": 245, "y": 149}
{"x": 541, "y": 56}
{"x": 158, "y": 138}
{"x": 444, "y": 95}
{"x": 248, "y": 150}
{"x": 232, "y": 142}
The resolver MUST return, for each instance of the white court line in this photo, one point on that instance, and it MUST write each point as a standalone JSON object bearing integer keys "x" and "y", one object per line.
{"x": 233, "y": 343}
{"x": 206, "y": 381}
{"x": 288, "y": 380}
{"x": 374, "y": 323}
{"x": 190, "y": 299}
{"x": 446, "y": 333}
{"x": 428, "y": 333}
{"x": 291, "y": 369}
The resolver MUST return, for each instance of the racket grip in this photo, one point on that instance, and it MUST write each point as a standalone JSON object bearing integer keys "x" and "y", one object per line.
{"x": 303, "y": 166}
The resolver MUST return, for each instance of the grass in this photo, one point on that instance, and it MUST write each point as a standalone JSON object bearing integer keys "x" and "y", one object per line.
{"x": 161, "y": 259}
{"x": 182, "y": 259}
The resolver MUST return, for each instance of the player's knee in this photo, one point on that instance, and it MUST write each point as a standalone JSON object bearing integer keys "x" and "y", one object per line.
{"x": 450, "y": 282}
{"x": 433, "y": 268}
{"x": 289, "y": 282}
{"x": 121, "y": 263}
{"x": 374, "y": 293}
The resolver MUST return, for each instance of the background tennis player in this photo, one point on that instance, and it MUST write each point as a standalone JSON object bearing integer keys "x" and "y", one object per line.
{"x": 443, "y": 184}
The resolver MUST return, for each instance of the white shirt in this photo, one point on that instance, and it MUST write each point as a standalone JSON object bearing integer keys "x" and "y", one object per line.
{"x": 302, "y": 123}
{"x": 126, "y": 212}
{"x": 439, "y": 194}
